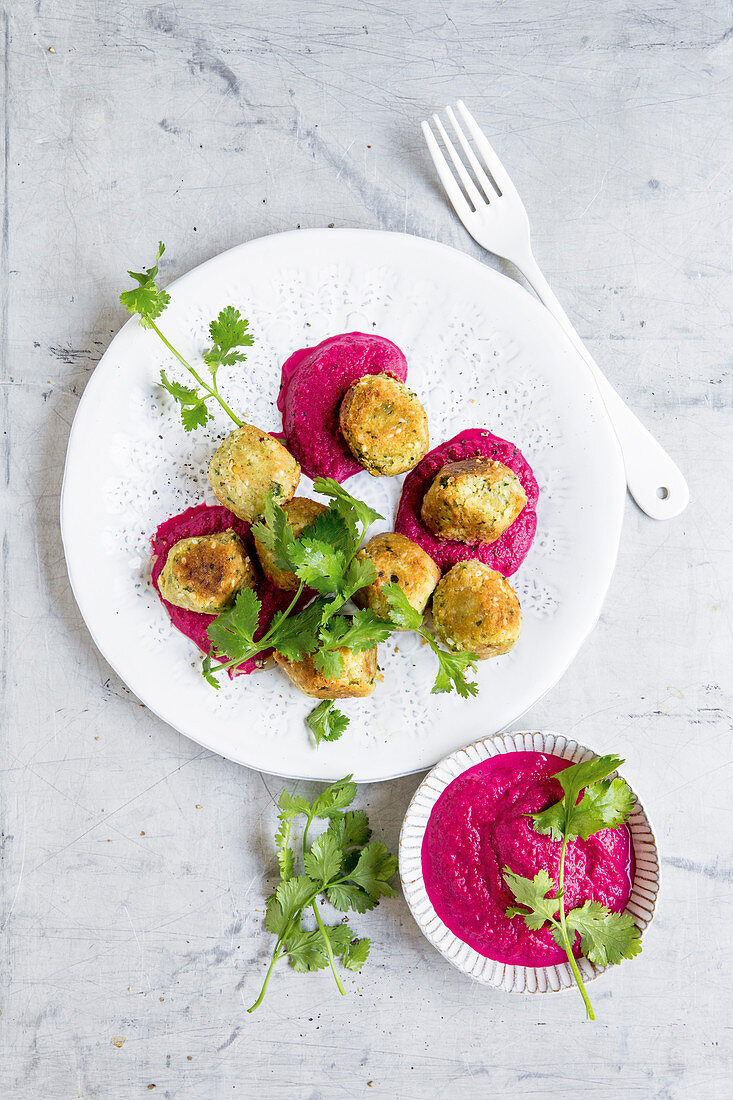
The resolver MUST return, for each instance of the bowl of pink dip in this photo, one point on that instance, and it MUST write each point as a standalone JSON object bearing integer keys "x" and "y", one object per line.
{"x": 467, "y": 821}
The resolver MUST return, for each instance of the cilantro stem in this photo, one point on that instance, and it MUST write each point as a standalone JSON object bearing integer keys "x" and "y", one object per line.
{"x": 589, "y": 1015}
{"x": 329, "y": 949}
{"x": 276, "y": 955}
{"x": 290, "y": 606}
{"x": 211, "y": 392}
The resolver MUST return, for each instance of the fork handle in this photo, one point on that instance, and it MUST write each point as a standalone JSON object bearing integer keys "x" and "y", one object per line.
{"x": 653, "y": 479}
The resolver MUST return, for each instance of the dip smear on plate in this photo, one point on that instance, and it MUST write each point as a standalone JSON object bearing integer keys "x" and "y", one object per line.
{"x": 507, "y": 552}
{"x": 207, "y": 520}
{"x": 315, "y": 382}
{"x": 479, "y": 826}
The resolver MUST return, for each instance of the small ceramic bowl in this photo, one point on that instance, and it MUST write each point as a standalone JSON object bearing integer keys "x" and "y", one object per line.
{"x": 511, "y": 978}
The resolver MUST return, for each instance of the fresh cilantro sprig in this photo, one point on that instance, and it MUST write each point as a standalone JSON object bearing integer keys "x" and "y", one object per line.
{"x": 605, "y": 937}
{"x": 323, "y": 559}
{"x": 228, "y": 333}
{"x": 452, "y": 665}
{"x": 343, "y": 864}
{"x": 325, "y": 722}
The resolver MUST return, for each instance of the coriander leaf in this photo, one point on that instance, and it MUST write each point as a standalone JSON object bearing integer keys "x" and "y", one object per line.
{"x": 146, "y": 299}
{"x": 605, "y": 937}
{"x": 577, "y": 776}
{"x": 375, "y": 867}
{"x": 318, "y": 565}
{"x": 232, "y": 632}
{"x": 351, "y": 829}
{"x": 194, "y": 413}
{"x": 195, "y": 416}
{"x": 604, "y": 805}
{"x": 276, "y": 534}
{"x": 360, "y": 573}
{"x": 207, "y": 671}
{"x": 275, "y": 921}
{"x": 356, "y": 954}
{"x": 451, "y": 665}
{"x": 326, "y": 723}
{"x": 285, "y": 905}
{"x": 344, "y": 501}
{"x": 402, "y": 613}
{"x": 451, "y": 671}
{"x": 347, "y": 895}
{"x": 333, "y": 630}
{"x": 360, "y": 631}
{"x": 329, "y": 662}
{"x": 559, "y": 821}
{"x": 185, "y": 395}
{"x": 532, "y": 894}
{"x": 286, "y": 861}
{"x": 291, "y": 805}
{"x": 365, "y": 630}
{"x": 331, "y": 528}
{"x": 228, "y": 331}
{"x": 293, "y": 895}
{"x": 324, "y": 859}
{"x": 353, "y": 511}
{"x": 306, "y": 951}
{"x": 336, "y": 797}
{"x": 551, "y": 822}
{"x": 296, "y": 635}
{"x": 339, "y": 936}
{"x": 285, "y": 855}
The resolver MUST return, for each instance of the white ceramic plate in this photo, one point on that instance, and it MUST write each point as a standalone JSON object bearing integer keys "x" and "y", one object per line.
{"x": 512, "y": 979}
{"x": 481, "y": 352}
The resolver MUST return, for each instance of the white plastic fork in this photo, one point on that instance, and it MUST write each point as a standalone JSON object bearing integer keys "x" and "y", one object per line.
{"x": 496, "y": 218}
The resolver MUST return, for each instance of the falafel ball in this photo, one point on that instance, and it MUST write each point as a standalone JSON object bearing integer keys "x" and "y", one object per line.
{"x": 401, "y": 561}
{"x": 358, "y": 679}
{"x": 204, "y": 573}
{"x": 476, "y": 609}
{"x": 476, "y": 500}
{"x": 301, "y": 512}
{"x": 384, "y": 425}
{"x": 247, "y": 466}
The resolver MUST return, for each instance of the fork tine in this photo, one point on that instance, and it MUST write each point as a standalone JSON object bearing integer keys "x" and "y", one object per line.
{"x": 453, "y": 191}
{"x": 468, "y": 184}
{"x": 493, "y": 163}
{"x": 486, "y": 184}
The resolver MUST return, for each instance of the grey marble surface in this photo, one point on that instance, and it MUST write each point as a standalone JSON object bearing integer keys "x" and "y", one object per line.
{"x": 135, "y": 864}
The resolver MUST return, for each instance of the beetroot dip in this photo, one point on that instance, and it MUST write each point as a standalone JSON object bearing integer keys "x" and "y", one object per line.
{"x": 207, "y": 520}
{"x": 314, "y": 383}
{"x": 477, "y": 827}
{"x": 509, "y": 551}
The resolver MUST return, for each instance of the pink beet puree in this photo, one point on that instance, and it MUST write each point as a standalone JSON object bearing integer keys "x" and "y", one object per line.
{"x": 314, "y": 382}
{"x": 477, "y": 828}
{"x": 508, "y": 552}
{"x": 206, "y": 520}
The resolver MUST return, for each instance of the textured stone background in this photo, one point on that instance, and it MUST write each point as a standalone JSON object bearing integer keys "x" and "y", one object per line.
{"x": 135, "y": 865}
